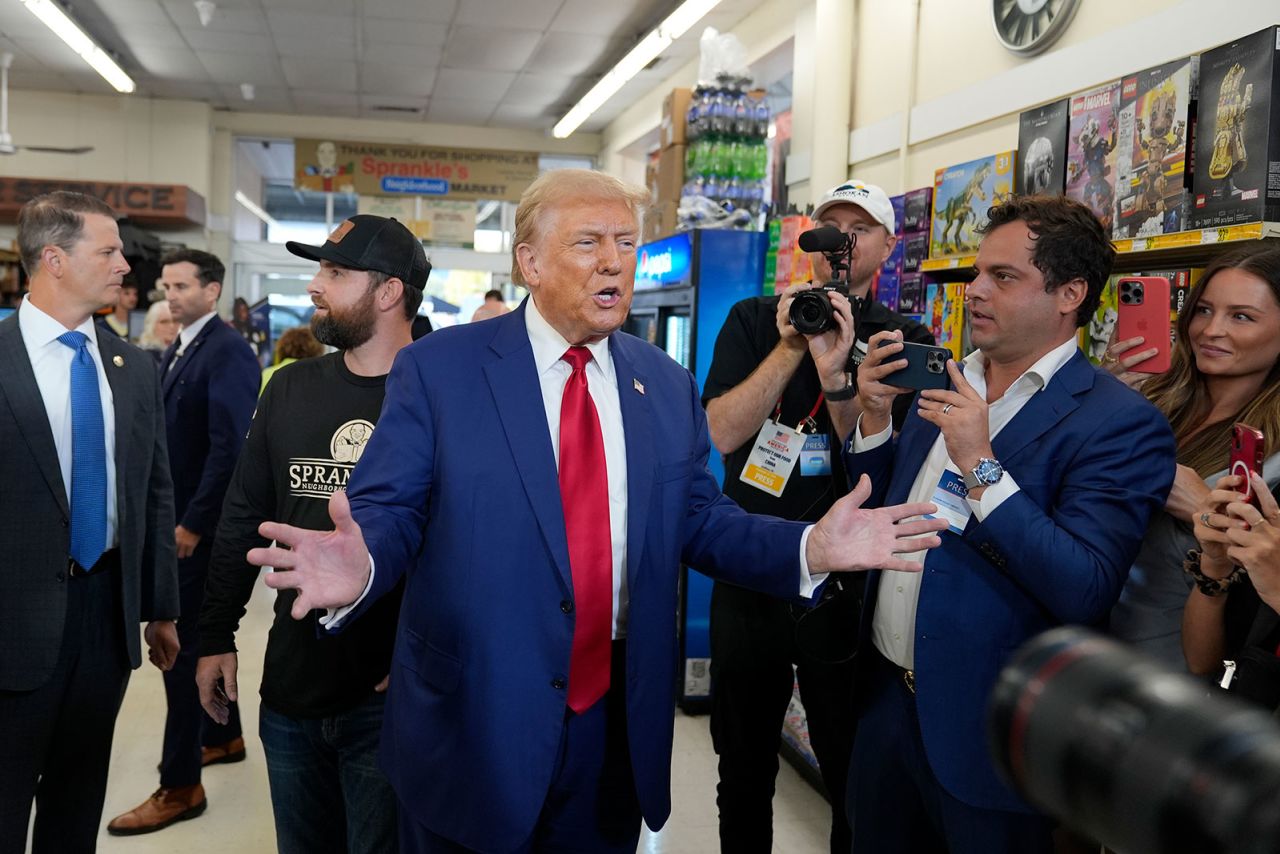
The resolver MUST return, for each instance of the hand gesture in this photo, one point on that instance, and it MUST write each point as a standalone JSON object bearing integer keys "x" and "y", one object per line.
{"x": 849, "y": 538}
{"x": 1189, "y": 492}
{"x": 830, "y": 349}
{"x": 162, "y": 643}
{"x": 961, "y": 415}
{"x": 186, "y": 541}
{"x": 217, "y": 699}
{"x": 1120, "y": 356}
{"x": 329, "y": 569}
{"x": 874, "y": 395}
{"x": 790, "y": 336}
{"x": 1211, "y": 523}
{"x": 1255, "y": 540}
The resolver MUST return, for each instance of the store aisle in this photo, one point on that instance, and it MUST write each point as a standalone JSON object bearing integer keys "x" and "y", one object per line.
{"x": 239, "y": 816}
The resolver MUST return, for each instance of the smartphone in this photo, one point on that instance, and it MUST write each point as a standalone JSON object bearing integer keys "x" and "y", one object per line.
{"x": 1143, "y": 310}
{"x": 926, "y": 366}
{"x": 1247, "y": 448}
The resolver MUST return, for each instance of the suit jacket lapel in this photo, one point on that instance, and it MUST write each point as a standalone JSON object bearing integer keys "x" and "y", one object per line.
{"x": 18, "y": 383}
{"x": 110, "y": 348}
{"x": 641, "y": 431}
{"x": 171, "y": 376}
{"x": 516, "y": 388}
{"x": 1045, "y": 408}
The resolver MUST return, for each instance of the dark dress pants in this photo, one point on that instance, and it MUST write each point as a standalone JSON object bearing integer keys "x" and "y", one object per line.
{"x": 186, "y": 726}
{"x": 56, "y": 742}
{"x": 755, "y": 640}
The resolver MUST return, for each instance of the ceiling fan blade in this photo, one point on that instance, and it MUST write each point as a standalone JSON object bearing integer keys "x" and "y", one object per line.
{"x": 52, "y": 149}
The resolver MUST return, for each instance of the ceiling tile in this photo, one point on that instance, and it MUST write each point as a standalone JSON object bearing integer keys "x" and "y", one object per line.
{"x": 323, "y": 28}
{"x": 607, "y": 19}
{"x": 242, "y": 67}
{"x": 390, "y": 107}
{"x": 323, "y": 7}
{"x": 320, "y": 74}
{"x": 397, "y": 31}
{"x": 420, "y": 58}
{"x": 520, "y": 115}
{"x": 323, "y": 98}
{"x": 568, "y": 53}
{"x": 490, "y": 48}
{"x": 231, "y": 42}
{"x": 425, "y": 10}
{"x": 265, "y": 98}
{"x": 481, "y": 85}
{"x": 170, "y": 63}
{"x": 225, "y": 18}
{"x": 399, "y": 80}
{"x": 307, "y": 47}
{"x": 132, "y": 11}
{"x": 157, "y": 31}
{"x": 528, "y": 14}
{"x": 544, "y": 89}
{"x": 466, "y": 111}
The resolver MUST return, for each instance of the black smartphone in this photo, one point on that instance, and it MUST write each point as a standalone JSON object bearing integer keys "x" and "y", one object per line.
{"x": 926, "y": 366}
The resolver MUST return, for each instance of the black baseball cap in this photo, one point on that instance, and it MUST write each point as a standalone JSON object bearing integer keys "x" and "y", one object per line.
{"x": 369, "y": 242}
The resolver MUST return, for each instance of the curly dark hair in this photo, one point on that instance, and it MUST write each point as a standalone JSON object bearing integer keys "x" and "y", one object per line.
{"x": 1070, "y": 243}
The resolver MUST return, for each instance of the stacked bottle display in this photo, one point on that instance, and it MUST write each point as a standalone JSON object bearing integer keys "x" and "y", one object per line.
{"x": 727, "y": 155}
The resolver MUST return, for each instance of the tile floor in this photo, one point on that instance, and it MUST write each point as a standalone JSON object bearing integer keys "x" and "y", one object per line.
{"x": 239, "y": 816}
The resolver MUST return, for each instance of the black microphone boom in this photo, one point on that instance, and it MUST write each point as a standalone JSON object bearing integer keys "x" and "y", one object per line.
{"x": 825, "y": 239}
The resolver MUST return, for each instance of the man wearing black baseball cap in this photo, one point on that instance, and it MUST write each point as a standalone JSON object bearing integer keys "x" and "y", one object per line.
{"x": 322, "y": 695}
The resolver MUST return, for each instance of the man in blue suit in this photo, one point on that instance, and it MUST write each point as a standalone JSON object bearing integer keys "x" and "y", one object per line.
{"x": 531, "y": 704}
{"x": 209, "y": 377}
{"x": 1046, "y": 470}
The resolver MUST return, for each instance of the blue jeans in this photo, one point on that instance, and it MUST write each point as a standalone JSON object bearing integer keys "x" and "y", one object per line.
{"x": 327, "y": 792}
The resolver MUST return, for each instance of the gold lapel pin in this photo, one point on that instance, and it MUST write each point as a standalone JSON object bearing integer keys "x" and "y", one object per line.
{"x": 118, "y": 361}
{"x": 639, "y": 386}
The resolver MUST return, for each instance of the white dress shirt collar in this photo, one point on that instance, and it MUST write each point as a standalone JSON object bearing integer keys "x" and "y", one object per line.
{"x": 39, "y": 328}
{"x": 188, "y": 333}
{"x": 549, "y": 346}
{"x": 1038, "y": 375}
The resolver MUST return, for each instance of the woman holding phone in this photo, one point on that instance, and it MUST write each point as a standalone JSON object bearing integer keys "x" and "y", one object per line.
{"x": 1225, "y": 369}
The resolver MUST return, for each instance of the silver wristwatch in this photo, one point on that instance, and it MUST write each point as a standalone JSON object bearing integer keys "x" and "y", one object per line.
{"x": 986, "y": 473}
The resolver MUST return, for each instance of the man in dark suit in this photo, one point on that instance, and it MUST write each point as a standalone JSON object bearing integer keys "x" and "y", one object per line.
{"x": 86, "y": 526}
{"x": 1047, "y": 470}
{"x": 531, "y": 702}
{"x": 209, "y": 377}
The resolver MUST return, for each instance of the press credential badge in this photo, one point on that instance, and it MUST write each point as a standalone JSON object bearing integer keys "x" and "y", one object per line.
{"x": 773, "y": 459}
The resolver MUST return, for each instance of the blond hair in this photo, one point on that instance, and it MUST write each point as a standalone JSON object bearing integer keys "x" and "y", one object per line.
{"x": 538, "y": 202}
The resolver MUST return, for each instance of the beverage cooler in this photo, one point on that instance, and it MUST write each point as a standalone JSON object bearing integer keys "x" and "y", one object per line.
{"x": 685, "y": 286}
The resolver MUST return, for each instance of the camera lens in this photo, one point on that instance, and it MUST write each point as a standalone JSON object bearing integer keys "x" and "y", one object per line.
{"x": 811, "y": 312}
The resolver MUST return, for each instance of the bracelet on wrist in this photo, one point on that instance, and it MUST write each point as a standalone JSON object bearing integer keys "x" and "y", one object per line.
{"x": 1211, "y": 587}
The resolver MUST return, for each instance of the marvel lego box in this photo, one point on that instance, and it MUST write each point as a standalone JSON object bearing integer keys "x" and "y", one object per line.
{"x": 1091, "y": 150}
{"x": 911, "y": 294}
{"x": 915, "y": 248}
{"x": 887, "y": 288}
{"x": 916, "y": 205}
{"x": 1151, "y": 149}
{"x": 1237, "y": 162}
{"x": 1042, "y": 150}
{"x": 898, "y": 203}
{"x": 962, "y": 195}
{"x": 1096, "y": 334}
{"x": 893, "y": 264}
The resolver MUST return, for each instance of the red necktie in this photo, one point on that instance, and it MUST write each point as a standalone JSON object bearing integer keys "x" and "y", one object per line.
{"x": 584, "y": 492}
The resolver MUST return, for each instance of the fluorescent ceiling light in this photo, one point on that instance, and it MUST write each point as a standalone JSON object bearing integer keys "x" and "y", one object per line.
{"x": 252, "y": 207}
{"x": 650, "y": 48}
{"x": 67, "y": 30}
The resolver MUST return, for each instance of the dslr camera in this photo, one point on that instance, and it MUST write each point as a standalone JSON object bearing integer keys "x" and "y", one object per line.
{"x": 811, "y": 311}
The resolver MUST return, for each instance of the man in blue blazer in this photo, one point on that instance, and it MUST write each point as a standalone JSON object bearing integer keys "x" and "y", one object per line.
{"x": 531, "y": 704}
{"x": 209, "y": 377}
{"x": 1046, "y": 470}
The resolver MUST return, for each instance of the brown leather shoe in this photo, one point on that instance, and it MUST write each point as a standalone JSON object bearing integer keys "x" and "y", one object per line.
{"x": 160, "y": 810}
{"x": 232, "y": 751}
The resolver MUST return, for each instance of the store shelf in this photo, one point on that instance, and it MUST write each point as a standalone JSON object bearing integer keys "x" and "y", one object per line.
{"x": 1135, "y": 253}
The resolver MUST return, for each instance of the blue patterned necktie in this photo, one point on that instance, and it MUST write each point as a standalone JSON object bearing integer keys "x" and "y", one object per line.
{"x": 88, "y": 456}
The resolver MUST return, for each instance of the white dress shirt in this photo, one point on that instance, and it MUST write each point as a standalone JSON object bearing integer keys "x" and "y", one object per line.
{"x": 894, "y": 623}
{"x": 188, "y": 333}
{"x": 51, "y": 363}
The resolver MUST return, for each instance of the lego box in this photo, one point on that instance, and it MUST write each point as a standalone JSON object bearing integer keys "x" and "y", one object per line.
{"x": 962, "y": 195}
{"x": 887, "y": 288}
{"x": 898, "y": 205}
{"x": 1151, "y": 149}
{"x": 916, "y": 205}
{"x": 1042, "y": 150}
{"x": 915, "y": 248}
{"x": 911, "y": 292}
{"x": 1091, "y": 150}
{"x": 1237, "y": 157}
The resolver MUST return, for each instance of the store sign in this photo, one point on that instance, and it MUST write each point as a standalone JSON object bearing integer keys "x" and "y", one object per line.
{"x": 382, "y": 169}
{"x": 664, "y": 263}
{"x": 437, "y": 220}
{"x": 147, "y": 204}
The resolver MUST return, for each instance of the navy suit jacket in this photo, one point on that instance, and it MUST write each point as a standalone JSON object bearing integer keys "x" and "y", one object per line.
{"x": 209, "y": 398}
{"x": 1093, "y": 460}
{"x": 458, "y": 488}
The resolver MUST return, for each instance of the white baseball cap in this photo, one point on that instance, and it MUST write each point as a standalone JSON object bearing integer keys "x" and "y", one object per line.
{"x": 869, "y": 197}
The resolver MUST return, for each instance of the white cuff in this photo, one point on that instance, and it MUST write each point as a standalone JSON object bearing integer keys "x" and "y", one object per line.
{"x": 808, "y": 583}
{"x": 993, "y": 496}
{"x": 334, "y": 616}
{"x": 858, "y": 443}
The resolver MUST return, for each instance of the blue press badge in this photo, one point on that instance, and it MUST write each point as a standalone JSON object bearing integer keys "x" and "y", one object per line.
{"x": 815, "y": 457}
{"x": 951, "y": 497}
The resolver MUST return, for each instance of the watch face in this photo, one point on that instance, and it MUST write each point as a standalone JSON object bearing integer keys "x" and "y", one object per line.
{"x": 1027, "y": 27}
{"x": 989, "y": 472}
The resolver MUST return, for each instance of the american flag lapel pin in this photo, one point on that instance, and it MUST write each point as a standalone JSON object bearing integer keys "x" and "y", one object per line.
{"x": 118, "y": 361}
{"x": 639, "y": 386}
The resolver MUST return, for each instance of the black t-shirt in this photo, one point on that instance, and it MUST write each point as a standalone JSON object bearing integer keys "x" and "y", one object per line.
{"x": 748, "y": 336}
{"x": 311, "y": 426}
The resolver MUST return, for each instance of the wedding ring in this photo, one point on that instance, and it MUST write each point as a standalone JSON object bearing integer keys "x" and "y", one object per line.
{"x": 947, "y": 408}
{"x": 1204, "y": 517}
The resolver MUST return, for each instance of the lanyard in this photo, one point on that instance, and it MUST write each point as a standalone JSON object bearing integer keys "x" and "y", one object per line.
{"x": 807, "y": 421}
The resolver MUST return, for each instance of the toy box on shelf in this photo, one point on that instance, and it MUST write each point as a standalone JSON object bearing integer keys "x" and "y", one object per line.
{"x": 1151, "y": 149}
{"x": 1042, "y": 150}
{"x": 1091, "y": 150}
{"x": 1237, "y": 157}
{"x": 962, "y": 195}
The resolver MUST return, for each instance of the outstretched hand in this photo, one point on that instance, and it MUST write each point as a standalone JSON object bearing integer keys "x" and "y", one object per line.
{"x": 849, "y": 538}
{"x": 329, "y": 569}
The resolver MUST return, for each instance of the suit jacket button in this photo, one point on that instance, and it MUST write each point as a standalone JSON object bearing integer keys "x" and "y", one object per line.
{"x": 559, "y": 683}
{"x": 61, "y": 576}
{"x": 566, "y": 607}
